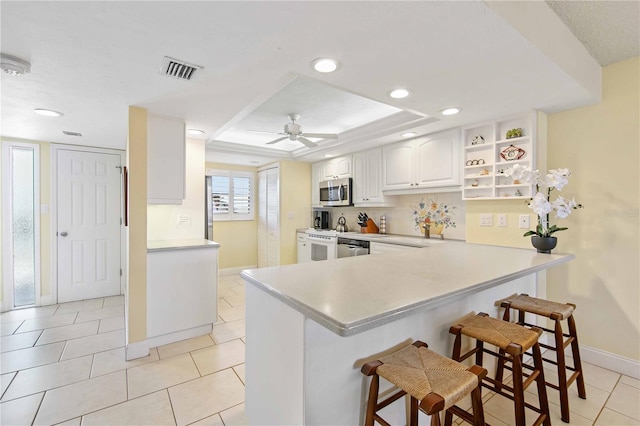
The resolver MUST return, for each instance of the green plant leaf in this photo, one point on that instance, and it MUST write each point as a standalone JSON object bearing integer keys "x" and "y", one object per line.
{"x": 526, "y": 234}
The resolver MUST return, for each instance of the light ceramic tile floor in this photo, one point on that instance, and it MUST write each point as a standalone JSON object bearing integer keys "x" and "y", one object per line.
{"x": 64, "y": 364}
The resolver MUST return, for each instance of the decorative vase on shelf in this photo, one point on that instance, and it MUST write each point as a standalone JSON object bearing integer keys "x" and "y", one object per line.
{"x": 544, "y": 244}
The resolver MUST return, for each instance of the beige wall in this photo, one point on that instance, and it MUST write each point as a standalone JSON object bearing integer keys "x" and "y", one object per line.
{"x": 599, "y": 144}
{"x": 45, "y": 218}
{"x": 162, "y": 220}
{"x": 295, "y": 199}
{"x": 136, "y": 232}
{"x": 238, "y": 239}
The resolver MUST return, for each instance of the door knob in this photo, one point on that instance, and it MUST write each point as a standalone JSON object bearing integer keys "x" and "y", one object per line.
{"x": 64, "y": 234}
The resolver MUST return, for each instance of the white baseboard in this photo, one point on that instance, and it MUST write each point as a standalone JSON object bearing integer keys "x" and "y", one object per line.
{"x": 47, "y": 300}
{"x": 619, "y": 364}
{"x": 235, "y": 271}
{"x": 141, "y": 349}
{"x": 136, "y": 350}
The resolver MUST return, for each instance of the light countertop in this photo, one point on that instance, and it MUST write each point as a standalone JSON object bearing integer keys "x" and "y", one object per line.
{"x": 354, "y": 294}
{"x": 164, "y": 245}
{"x": 404, "y": 240}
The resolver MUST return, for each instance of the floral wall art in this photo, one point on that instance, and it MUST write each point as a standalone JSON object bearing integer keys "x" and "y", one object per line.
{"x": 447, "y": 209}
{"x": 438, "y": 214}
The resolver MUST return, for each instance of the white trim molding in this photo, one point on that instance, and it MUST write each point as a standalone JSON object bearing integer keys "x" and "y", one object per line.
{"x": 619, "y": 364}
{"x": 141, "y": 349}
{"x": 234, "y": 271}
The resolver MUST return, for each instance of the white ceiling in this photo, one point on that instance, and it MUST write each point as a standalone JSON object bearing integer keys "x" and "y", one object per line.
{"x": 92, "y": 60}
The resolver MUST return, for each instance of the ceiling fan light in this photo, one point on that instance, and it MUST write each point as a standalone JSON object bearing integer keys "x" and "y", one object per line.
{"x": 409, "y": 134}
{"x": 324, "y": 65}
{"x": 399, "y": 93}
{"x": 48, "y": 112}
{"x": 13, "y": 65}
{"x": 450, "y": 111}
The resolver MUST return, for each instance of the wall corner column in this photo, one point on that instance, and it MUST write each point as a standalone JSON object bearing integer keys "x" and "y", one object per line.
{"x": 136, "y": 235}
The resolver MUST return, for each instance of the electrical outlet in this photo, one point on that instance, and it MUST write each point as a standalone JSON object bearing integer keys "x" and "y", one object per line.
{"x": 486, "y": 220}
{"x": 524, "y": 221}
{"x": 183, "y": 219}
{"x": 502, "y": 220}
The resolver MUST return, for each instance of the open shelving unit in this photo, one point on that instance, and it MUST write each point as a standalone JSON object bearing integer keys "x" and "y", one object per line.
{"x": 483, "y": 165}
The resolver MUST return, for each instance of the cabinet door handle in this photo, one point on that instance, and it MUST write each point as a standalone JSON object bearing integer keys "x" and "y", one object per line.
{"x": 64, "y": 234}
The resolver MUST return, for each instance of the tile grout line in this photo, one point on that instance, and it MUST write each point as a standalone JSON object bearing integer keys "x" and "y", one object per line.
{"x": 35, "y": 415}
{"x": 173, "y": 412}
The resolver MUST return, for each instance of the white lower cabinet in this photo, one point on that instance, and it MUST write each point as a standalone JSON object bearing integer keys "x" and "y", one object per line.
{"x": 304, "y": 248}
{"x": 431, "y": 161}
{"x": 182, "y": 291}
{"x": 380, "y": 248}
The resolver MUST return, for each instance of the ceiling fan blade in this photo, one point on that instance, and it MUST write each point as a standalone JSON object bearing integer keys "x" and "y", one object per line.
{"x": 321, "y": 135}
{"x": 306, "y": 141}
{"x": 277, "y": 140}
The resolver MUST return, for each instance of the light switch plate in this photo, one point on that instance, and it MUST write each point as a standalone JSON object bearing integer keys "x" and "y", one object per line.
{"x": 524, "y": 221}
{"x": 486, "y": 219}
{"x": 502, "y": 220}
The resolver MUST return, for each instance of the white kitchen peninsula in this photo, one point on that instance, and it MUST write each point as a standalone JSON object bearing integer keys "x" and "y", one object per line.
{"x": 308, "y": 324}
{"x": 182, "y": 289}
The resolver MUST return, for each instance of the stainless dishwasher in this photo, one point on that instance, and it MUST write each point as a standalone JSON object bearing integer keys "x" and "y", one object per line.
{"x": 350, "y": 247}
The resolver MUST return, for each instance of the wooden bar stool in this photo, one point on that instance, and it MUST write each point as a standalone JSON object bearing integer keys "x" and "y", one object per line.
{"x": 512, "y": 340}
{"x": 434, "y": 382}
{"x": 556, "y": 312}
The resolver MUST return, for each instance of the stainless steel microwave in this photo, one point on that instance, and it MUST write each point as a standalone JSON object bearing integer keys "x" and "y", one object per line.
{"x": 336, "y": 192}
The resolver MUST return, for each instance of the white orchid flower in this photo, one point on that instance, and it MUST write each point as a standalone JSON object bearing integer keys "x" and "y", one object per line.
{"x": 557, "y": 178}
{"x": 540, "y": 205}
{"x": 562, "y": 207}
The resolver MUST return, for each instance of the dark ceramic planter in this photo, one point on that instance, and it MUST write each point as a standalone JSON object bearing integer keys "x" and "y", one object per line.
{"x": 544, "y": 244}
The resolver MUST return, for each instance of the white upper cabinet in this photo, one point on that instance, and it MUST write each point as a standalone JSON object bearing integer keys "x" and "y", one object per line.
{"x": 165, "y": 160}
{"x": 398, "y": 168}
{"x": 337, "y": 168}
{"x": 431, "y": 161}
{"x": 367, "y": 179}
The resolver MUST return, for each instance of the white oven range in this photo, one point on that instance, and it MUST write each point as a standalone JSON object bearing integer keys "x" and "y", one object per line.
{"x": 323, "y": 244}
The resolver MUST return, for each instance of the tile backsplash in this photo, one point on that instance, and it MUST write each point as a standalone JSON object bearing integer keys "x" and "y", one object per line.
{"x": 409, "y": 211}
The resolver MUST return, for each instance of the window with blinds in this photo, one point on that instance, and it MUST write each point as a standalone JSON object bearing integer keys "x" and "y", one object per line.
{"x": 231, "y": 195}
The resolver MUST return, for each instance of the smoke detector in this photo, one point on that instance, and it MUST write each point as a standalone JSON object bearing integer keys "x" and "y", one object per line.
{"x": 13, "y": 65}
{"x": 176, "y": 68}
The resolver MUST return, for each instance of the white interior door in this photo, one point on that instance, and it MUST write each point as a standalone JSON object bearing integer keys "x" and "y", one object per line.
{"x": 88, "y": 228}
{"x": 268, "y": 218}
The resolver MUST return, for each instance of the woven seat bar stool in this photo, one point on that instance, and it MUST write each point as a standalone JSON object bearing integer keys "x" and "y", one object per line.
{"x": 512, "y": 340}
{"x": 434, "y": 382}
{"x": 557, "y": 312}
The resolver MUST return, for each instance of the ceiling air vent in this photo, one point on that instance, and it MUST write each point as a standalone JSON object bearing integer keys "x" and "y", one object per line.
{"x": 178, "y": 69}
{"x": 71, "y": 133}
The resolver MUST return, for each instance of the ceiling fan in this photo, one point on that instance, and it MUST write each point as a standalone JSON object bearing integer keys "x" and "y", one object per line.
{"x": 293, "y": 132}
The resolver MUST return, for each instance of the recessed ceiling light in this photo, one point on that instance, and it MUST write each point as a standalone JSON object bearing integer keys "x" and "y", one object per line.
{"x": 399, "y": 93}
{"x": 254, "y": 162}
{"x": 450, "y": 111}
{"x": 329, "y": 155}
{"x": 195, "y": 132}
{"x": 324, "y": 65}
{"x": 48, "y": 112}
{"x": 409, "y": 134}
